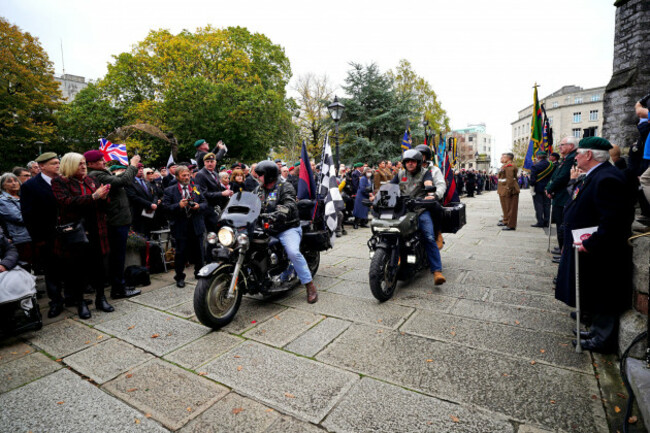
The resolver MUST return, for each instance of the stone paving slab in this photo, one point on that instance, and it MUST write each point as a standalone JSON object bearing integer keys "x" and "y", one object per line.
{"x": 185, "y": 310}
{"x": 65, "y": 337}
{"x": 451, "y": 290}
{"x": 356, "y": 263}
{"x": 333, "y": 271}
{"x": 13, "y": 349}
{"x": 24, "y": 370}
{"x": 379, "y": 407}
{"x": 65, "y": 403}
{"x": 503, "y": 280}
{"x": 170, "y": 394}
{"x": 314, "y": 340}
{"x": 528, "y": 344}
{"x": 368, "y": 311}
{"x": 323, "y": 283}
{"x": 287, "y": 424}
{"x": 154, "y": 331}
{"x": 423, "y": 298}
{"x": 355, "y": 289}
{"x": 233, "y": 413}
{"x": 282, "y": 328}
{"x": 166, "y": 297}
{"x": 250, "y": 313}
{"x": 528, "y": 299}
{"x": 328, "y": 259}
{"x": 530, "y": 318}
{"x": 296, "y": 386}
{"x": 203, "y": 350}
{"x": 122, "y": 308}
{"x": 107, "y": 360}
{"x": 516, "y": 266}
{"x": 539, "y": 394}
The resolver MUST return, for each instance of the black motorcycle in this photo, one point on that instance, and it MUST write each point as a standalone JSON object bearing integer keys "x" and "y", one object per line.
{"x": 246, "y": 259}
{"x": 396, "y": 250}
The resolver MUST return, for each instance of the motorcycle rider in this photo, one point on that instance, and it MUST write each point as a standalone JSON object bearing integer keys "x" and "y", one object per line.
{"x": 438, "y": 182}
{"x": 412, "y": 179}
{"x": 279, "y": 205}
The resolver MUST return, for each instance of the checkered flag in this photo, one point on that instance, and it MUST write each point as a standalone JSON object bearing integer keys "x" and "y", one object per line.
{"x": 329, "y": 188}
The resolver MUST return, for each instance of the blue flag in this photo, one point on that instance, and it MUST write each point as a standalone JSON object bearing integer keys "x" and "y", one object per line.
{"x": 406, "y": 140}
{"x": 306, "y": 187}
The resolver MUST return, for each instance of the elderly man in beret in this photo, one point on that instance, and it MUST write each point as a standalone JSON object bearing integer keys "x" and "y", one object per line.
{"x": 39, "y": 210}
{"x": 602, "y": 201}
{"x": 118, "y": 216}
{"x": 217, "y": 196}
{"x": 203, "y": 148}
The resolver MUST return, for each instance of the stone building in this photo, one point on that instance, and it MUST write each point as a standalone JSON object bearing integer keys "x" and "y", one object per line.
{"x": 71, "y": 85}
{"x": 571, "y": 110}
{"x": 474, "y": 147}
{"x": 631, "y": 77}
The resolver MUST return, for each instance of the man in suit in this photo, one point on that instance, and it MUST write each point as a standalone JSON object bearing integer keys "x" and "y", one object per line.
{"x": 39, "y": 210}
{"x": 508, "y": 190}
{"x": 556, "y": 189}
{"x": 143, "y": 200}
{"x": 186, "y": 205}
{"x": 215, "y": 193}
{"x": 600, "y": 200}
{"x": 540, "y": 174}
{"x": 250, "y": 182}
{"x": 170, "y": 178}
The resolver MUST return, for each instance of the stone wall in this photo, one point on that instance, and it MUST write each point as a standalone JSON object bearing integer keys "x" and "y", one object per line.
{"x": 631, "y": 73}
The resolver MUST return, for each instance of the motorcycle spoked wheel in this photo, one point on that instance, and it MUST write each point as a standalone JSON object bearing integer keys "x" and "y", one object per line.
{"x": 383, "y": 279}
{"x": 211, "y": 305}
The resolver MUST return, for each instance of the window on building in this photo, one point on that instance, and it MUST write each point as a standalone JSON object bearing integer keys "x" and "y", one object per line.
{"x": 484, "y": 140}
{"x": 577, "y": 117}
{"x": 471, "y": 138}
{"x": 578, "y": 100}
{"x": 555, "y": 105}
{"x": 595, "y": 98}
{"x": 593, "y": 115}
{"x": 576, "y": 132}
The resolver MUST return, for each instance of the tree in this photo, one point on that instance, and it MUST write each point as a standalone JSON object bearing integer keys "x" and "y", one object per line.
{"x": 29, "y": 96}
{"x": 217, "y": 84}
{"x": 375, "y": 115}
{"x": 313, "y": 118}
{"x": 411, "y": 86}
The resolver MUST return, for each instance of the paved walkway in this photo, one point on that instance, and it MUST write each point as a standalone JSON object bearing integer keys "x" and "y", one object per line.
{"x": 490, "y": 351}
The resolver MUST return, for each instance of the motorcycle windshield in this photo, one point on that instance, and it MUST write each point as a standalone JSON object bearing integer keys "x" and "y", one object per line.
{"x": 387, "y": 196}
{"x": 243, "y": 209}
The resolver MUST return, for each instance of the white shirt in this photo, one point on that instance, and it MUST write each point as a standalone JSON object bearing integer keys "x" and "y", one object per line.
{"x": 47, "y": 178}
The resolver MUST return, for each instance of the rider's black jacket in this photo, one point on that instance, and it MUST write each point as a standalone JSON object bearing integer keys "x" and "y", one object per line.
{"x": 280, "y": 203}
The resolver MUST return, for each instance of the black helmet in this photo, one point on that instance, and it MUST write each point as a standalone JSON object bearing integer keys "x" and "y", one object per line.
{"x": 269, "y": 170}
{"x": 412, "y": 155}
{"x": 425, "y": 151}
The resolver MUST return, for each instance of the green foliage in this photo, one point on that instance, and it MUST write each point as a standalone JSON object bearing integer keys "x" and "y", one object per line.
{"x": 375, "y": 115}
{"x": 217, "y": 84}
{"x": 29, "y": 96}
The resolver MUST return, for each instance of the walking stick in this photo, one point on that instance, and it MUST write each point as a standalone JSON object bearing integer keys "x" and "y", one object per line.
{"x": 577, "y": 257}
{"x": 550, "y": 221}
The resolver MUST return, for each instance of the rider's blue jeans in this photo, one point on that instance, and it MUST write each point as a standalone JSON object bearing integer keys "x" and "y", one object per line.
{"x": 428, "y": 233}
{"x": 290, "y": 240}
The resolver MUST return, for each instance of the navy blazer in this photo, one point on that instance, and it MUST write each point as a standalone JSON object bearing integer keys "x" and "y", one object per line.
{"x": 39, "y": 209}
{"x": 180, "y": 220}
{"x": 211, "y": 188}
{"x": 535, "y": 171}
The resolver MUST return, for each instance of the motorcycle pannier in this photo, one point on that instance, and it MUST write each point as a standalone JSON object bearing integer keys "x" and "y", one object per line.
{"x": 453, "y": 217}
{"x": 318, "y": 240}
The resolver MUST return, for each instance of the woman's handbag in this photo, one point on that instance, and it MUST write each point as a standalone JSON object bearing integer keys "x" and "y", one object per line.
{"x": 72, "y": 233}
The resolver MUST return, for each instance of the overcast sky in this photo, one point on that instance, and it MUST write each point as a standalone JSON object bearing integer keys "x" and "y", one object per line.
{"x": 481, "y": 57}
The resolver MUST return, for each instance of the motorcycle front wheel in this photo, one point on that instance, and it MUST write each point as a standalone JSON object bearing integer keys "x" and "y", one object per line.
{"x": 383, "y": 279}
{"x": 212, "y": 306}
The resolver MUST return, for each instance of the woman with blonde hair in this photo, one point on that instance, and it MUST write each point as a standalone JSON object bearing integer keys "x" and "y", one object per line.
{"x": 81, "y": 209}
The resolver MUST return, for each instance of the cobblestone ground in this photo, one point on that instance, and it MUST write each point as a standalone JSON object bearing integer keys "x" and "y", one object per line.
{"x": 490, "y": 351}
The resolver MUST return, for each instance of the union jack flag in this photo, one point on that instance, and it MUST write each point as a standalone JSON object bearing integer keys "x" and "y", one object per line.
{"x": 113, "y": 151}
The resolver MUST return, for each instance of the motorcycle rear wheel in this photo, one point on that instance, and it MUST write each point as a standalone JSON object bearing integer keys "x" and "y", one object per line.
{"x": 383, "y": 280}
{"x": 211, "y": 305}
{"x": 313, "y": 261}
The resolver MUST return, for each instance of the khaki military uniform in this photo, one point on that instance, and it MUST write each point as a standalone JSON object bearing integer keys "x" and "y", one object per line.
{"x": 508, "y": 190}
{"x": 382, "y": 177}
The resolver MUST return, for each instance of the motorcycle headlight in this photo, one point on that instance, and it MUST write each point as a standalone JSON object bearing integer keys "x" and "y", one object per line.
{"x": 242, "y": 239}
{"x": 212, "y": 238}
{"x": 226, "y": 236}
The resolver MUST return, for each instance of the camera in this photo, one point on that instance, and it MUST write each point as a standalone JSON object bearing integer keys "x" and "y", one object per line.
{"x": 190, "y": 203}
{"x": 644, "y": 101}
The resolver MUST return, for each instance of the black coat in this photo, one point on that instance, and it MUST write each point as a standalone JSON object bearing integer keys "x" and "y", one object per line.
{"x": 39, "y": 208}
{"x": 539, "y": 169}
{"x": 606, "y": 269}
{"x": 8, "y": 253}
{"x": 180, "y": 220}
{"x": 211, "y": 188}
{"x": 140, "y": 199}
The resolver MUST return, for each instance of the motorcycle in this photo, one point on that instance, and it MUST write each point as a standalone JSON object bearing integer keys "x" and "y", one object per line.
{"x": 246, "y": 259}
{"x": 396, "y": 250}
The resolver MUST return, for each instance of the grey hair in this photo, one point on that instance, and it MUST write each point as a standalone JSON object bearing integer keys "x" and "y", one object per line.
{"x": 224, "y": 175}
{"x": 30, "y": 164}
{"x": 600, "y": 155}
{"x": 180, "y": 169}
{"x": 572, "y": 140}
{"x": 5, "y": 177}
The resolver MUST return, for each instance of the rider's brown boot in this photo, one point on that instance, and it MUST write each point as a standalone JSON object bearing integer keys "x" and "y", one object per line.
{"x": 312, "y": 294}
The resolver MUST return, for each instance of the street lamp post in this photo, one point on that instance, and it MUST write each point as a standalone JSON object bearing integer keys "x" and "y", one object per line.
{"x": 336, "y": 111}
{"x": 39, "y": 144}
